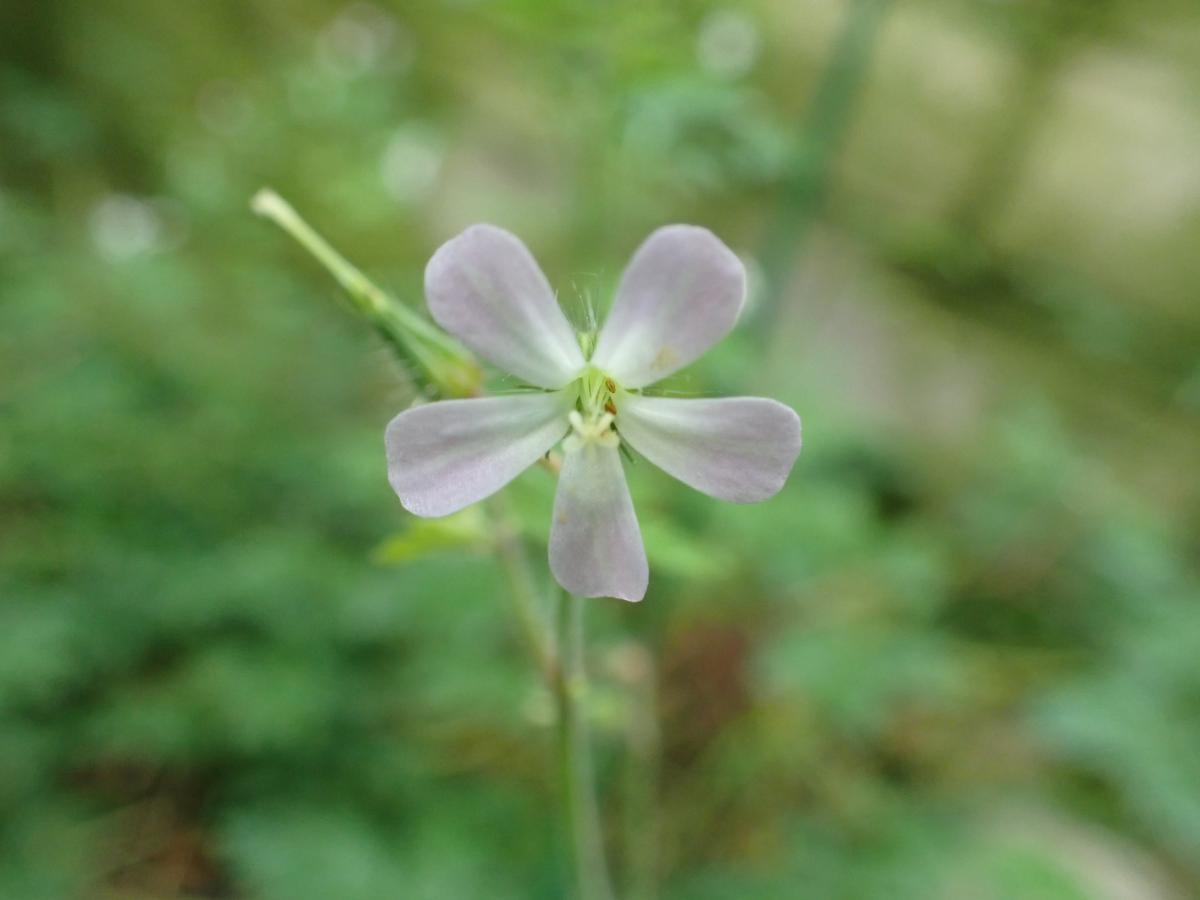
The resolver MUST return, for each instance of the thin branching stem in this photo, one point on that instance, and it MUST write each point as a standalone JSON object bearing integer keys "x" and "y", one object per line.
{"x": 443, "y": 367}
{"x": 439, "y": 364}
{"x": 522, "y": 588}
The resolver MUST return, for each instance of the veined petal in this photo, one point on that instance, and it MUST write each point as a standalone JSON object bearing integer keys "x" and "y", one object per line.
{"x": 485, "y": 288}
{"x": 680, "y": 294}
{"x": 447, "y": 455}
{"x": 734, "y": 448}
{"x": 595, "y": 543}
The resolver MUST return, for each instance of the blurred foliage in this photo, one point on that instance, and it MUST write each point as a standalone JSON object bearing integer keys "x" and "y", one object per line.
{"x": 959, "y": 656}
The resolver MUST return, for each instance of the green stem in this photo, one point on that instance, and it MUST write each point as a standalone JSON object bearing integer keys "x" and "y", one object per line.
{"x": 523, "y": 590}
{"x": 438, "y": 362}
{"x": 582, "y": 810}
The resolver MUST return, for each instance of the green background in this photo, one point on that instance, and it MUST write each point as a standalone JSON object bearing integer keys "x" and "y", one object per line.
{"x": 957, "y": 657}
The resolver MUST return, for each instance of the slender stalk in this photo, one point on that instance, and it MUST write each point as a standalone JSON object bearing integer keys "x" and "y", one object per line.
{"x": 523, "y": 590}
{"x": 579, "y": 795}
{"x": 442, "y": 366}
{"x": 561, "y": 662}
{"x": 643, "y": 746}
{"x": 439, "y": 363}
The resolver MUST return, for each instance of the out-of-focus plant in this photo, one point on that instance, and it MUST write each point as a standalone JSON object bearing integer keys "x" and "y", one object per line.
{"x": 953, "y": 659}
{"x": 681, "y": 293}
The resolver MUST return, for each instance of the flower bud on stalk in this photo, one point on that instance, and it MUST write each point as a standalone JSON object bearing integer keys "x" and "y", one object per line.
{"x": 439, "y": 365}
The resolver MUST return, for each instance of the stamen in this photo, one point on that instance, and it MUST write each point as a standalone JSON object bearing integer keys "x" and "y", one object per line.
{"x": 593, "y": 419}
{"x": 584, "y": 431}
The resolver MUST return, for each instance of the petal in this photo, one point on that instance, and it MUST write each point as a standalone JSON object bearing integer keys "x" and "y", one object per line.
{"x": 595, "y": 543}
{"x": 681, "y": 294}
{"x": 447, "y": 455}
{"x": 485, "y": 288}
{"x": 735, "y": 448}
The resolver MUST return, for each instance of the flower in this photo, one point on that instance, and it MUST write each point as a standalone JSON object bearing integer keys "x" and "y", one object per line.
{"x": 680, "y": 294}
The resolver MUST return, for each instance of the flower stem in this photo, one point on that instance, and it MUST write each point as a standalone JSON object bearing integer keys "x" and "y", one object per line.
{"x": 579, "y": 795}
{"x": 523, "y": 591}
{"x": 563, "y": 668}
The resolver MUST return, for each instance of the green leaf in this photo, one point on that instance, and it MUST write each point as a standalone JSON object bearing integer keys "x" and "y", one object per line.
{"x": 425, "y": 537}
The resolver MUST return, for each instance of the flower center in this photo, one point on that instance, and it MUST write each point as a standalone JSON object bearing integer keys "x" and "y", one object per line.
{"x": 596, "y": 411}
{"x": 585, "y": 431}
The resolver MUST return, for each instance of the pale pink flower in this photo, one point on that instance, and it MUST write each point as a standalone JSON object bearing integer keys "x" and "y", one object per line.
{"x": 680, "y": 294}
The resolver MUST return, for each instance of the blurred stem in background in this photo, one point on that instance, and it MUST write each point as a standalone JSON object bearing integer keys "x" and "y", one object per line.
{"x": 523, "y": 591}
{"x": 824, "y": 126}
{"x": 583, "y": 815}
{"x": 636, "y": 668}
{"x": 440, "y": 366}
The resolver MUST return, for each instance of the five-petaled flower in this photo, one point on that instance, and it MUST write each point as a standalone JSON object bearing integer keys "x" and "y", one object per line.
{"x": 680, "y": 294}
